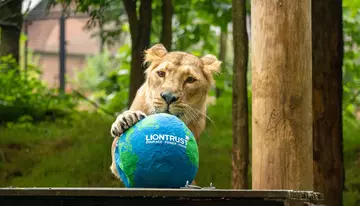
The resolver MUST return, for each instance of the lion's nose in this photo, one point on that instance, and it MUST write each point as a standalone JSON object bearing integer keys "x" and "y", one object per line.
{"x": 169, "y": 97}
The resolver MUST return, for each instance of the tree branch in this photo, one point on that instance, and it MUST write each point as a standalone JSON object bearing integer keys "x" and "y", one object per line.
{"x": 28, "y": 8}
{"x": 93, "y": 103}
{"x": 11, "y": 16}
{"x": 10, "y": 24}
{"x": 3, "y": 3}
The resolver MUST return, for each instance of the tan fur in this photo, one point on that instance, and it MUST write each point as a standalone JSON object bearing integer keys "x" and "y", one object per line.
{"x": 191, "y": 105}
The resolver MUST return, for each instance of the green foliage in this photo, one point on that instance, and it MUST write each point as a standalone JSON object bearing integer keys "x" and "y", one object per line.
{"x": 351, "y": 144}
{"x": 32, "y": 59}
{"x": 106, "y": 79}
{"x": 29, "y": 96}
{"x": 64, "y": 153}
{"x": 198, "y": 24}
{"x": 351, "y": 68}
{"x": 351, "y": 101}
{"x": 215, "y": 145}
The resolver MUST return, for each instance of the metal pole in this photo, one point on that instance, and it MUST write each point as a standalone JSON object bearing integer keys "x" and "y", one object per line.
{"x": 26, "y": 49}
{"x": 62, "y": 54}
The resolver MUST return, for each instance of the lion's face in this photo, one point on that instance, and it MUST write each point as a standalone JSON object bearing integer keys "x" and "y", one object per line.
{"x": 178, "y": 82}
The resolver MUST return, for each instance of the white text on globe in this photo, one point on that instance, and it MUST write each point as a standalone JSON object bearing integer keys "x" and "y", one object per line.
{"x": 167, "y": 139}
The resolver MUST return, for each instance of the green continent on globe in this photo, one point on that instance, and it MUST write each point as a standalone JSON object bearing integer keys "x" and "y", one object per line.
{"x": 150, "y": 121}
{"x": 127, "y": 165}
{"x": 192, "y": 149}
{"x": 128, "y": 138}
{"x": 127, "y": 157}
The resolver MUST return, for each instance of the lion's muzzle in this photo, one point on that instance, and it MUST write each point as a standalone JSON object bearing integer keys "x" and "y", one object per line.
{"x": 169, "y": 97}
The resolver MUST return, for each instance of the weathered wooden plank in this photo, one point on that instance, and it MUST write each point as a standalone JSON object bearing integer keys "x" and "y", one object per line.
{"x": 155, "y": 192}
{"x": 111, "y": 196}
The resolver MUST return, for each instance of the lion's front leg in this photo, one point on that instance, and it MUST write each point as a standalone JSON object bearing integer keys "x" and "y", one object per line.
{"x": 124, "y": 121}
{"x": 113, "y": 161}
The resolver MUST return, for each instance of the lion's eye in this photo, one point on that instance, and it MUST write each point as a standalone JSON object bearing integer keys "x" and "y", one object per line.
{"x": 161, "y": 73}
{"x": 190, "y": 80}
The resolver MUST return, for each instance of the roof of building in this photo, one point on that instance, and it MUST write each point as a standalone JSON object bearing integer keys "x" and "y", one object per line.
{"x": 42, "y": 12}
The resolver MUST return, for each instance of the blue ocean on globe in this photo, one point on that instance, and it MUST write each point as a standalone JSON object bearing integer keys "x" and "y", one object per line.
{"x": 159, "y": 151}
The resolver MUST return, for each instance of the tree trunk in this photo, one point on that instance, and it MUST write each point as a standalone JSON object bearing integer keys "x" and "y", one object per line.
{"x": 327, "y": 99}
{"x": 166, "y": 34}
{"x": 10, "y": 27}
{"x": 222, "y": 56}
{"x": 282, "y": 95}
{"x": 140, "y": 40}
{"x": 240, "y": 154}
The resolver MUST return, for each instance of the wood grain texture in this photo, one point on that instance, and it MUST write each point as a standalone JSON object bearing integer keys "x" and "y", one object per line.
{"x": 327, "y": 99}
{"x": 151, "y": 196}
{"x": 282, "y": 95}
{"x": 240, "y": 152}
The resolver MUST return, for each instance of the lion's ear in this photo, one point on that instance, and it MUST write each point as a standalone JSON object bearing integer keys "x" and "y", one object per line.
{"x": 211, "y": 63}
{"x": 155, "y": 53}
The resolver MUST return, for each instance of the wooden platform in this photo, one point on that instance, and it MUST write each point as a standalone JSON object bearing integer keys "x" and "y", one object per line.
{"x": 123, "y": 196}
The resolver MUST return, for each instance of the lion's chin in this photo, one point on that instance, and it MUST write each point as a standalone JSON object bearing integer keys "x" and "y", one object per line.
{"x": 167, "y": 111}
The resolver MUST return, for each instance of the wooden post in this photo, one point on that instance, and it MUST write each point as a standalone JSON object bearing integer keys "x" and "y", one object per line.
{"x": 282, "y": 95}
{"x": 240, "y": 150}
{"x": 327, "y": 38}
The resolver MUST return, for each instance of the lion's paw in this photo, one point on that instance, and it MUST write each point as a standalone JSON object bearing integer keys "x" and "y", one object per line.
{"x": 124, "y": 121}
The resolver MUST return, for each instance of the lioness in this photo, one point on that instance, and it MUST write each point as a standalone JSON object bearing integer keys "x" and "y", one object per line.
{"x": 176, "y": 83}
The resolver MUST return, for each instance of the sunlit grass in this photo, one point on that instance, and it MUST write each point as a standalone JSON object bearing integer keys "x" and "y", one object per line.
{"x": 57, "y": 154}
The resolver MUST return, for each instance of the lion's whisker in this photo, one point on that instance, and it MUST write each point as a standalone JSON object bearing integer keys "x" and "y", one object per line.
{"x": 201, "y": 113}
{"x": 193, "y": 118}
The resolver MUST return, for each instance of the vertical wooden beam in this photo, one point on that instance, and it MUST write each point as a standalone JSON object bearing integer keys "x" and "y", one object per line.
{"x": 327, "y": 38}
{"x": 282, "y": 94}
{"x": 240, "y": 151}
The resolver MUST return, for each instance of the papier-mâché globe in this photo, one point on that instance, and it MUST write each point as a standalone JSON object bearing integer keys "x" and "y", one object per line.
{"x": 159, "y": 151}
